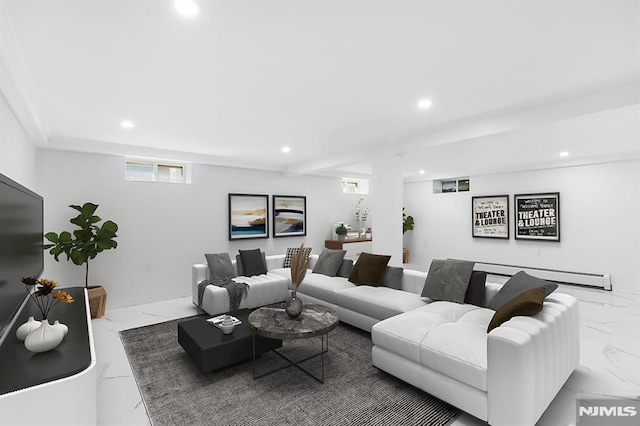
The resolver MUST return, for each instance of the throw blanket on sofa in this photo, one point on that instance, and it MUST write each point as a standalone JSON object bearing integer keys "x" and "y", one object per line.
{"x": 236, "y": 290}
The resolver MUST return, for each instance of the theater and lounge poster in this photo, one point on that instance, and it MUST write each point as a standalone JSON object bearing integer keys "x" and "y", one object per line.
{"x": 490, "y": 216}
{"x": 538, "y": 216}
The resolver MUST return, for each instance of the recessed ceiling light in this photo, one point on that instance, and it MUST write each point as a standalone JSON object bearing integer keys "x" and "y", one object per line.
{"x": 286, "y": 149}
{"x": 422, "y": 172}
{"x": 424, "y": 104}
{"x": 127, "y": 124}
{"x": 564, "y": 154}
{"x": 188, "y": 8}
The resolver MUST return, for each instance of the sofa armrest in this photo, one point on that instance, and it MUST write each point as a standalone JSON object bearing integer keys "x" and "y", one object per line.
{"x": 529, "y": 359}
{"x": 199, "y": 272}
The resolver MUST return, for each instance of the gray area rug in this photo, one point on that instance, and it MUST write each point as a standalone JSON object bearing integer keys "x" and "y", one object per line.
{"x": 175, "y": 392}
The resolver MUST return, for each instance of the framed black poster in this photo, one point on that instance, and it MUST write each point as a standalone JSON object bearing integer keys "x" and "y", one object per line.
{"x": 490, "y": 216}
{"x": 538, "y": 216}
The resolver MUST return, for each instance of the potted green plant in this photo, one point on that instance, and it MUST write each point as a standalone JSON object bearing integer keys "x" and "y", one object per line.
{"x": 407, "y": 225}
{"x": 407, "y": 222}
{"x": 85, "y": 244}
{"x": 341, "y": 230}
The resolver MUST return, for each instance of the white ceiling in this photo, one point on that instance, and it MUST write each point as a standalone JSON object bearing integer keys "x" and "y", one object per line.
{"x": 512, "y": 82}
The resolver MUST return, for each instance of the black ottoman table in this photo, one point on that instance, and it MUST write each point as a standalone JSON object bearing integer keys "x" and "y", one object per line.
{"x": 210, "y": 349}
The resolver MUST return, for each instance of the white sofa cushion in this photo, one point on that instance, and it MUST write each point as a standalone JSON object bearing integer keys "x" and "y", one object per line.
{"x": 323, "y": 287}
{"x": 264, "y": 289}
{"x": 379, "y": 302}
{"x": 458, "y": 346}
{"x": 403, "y": 334}
{"x": 447, "y": 337}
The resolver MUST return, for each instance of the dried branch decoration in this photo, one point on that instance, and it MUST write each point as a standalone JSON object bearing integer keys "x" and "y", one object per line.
{"x": 299, "y": 264}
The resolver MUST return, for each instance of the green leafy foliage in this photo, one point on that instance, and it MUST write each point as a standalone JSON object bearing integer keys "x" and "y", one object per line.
{"x": 85, "y": 243}
{"x": 407, "y": 222}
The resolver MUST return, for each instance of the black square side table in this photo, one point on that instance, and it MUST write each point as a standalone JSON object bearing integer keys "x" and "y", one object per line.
{"x": 210, "y": 349}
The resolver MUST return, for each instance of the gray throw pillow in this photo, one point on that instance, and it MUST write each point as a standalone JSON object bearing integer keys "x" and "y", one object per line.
{"x": 253, "y": 262}
{"x": 329, "y": 262}
{"x": 518, "y": 284}
{"x": 392, "y": 277}
{"x": 448, "y": 280}
{"x": 220, "y": 265}
{"x": 345, "y": 268}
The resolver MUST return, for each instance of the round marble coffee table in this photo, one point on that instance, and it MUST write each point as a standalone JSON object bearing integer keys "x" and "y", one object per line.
{"x": 315, "y": 320}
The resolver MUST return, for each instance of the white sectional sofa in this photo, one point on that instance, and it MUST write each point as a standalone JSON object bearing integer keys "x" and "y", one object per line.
{"x": 507, "y": 377}
{"x": 360, "y": 306}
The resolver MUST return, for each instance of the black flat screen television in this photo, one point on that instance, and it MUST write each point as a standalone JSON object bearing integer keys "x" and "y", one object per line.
{"x": 21, "y": 253}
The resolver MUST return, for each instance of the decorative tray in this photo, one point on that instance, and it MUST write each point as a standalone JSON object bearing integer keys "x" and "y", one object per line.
{"x": 217, "y": 321}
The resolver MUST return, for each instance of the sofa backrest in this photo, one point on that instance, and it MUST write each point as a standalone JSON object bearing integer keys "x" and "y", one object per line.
{"x": 276, "y": 261}
{"x": 413, "y": 281}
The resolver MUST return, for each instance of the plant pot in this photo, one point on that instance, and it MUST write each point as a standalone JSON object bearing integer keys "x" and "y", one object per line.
{"x": 405, "y": 255}
{"x": 97, "y": 301}
{"x": 342, "y": 237}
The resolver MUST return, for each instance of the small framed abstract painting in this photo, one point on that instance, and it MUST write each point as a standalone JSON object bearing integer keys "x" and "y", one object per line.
{"x": 490, "y": 216}
{"x": 248, "y": 216}
{"x": 538, "y": 216}
{"x": 289, "y": 215}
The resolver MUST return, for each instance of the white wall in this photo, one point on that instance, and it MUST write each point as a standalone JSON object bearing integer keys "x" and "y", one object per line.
{"x": 165, "y": 228}
{"x": 599, "y": 216}
{"x": 17, "y": 153}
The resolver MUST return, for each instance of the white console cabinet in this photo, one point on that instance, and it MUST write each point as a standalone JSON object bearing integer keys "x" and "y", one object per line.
{"x": 57, "y": 387}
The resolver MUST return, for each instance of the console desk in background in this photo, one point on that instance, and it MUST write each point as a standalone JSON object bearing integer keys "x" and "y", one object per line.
{"x": 353, "y": 246}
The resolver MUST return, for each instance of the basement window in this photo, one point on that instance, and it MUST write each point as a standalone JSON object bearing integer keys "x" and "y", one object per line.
{"x": 157, "y": 170}
{"x": 355, "y": 186}
{"x": 451, "y": 185}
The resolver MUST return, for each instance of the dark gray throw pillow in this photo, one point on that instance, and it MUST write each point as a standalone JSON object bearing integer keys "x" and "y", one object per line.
{"x": 253, "y": 262}
{"x": 329, "y": 262}
{"x": 392, "y": 277}
{"x": 220, "y": 265}
{"x": 518, "y": 284}
{"x": 476, "y": 291}
{"x": 239, "y": 267}
{"x": 448, "y": 280}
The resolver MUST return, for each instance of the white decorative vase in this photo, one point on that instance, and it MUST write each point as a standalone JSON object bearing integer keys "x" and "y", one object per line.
{"x": 44, "y": 338}
{"x": 23, "y": 331}
{"x": 62, "y": 327}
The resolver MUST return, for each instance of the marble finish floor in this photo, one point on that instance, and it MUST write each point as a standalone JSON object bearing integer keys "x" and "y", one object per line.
{"x": 609, "y": 356}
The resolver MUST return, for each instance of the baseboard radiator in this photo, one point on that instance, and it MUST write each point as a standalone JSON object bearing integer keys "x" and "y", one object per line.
{"x": 585, "y": 279}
